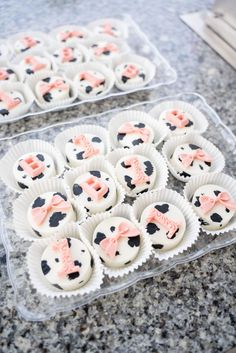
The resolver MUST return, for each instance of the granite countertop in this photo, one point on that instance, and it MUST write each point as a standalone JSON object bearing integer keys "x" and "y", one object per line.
{"x": 188, "y": 309}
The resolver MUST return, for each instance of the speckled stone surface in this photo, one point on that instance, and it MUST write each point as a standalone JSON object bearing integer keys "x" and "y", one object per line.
{"x": 189, "y": 309}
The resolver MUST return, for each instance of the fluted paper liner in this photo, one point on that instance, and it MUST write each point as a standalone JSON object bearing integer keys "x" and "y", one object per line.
{"x": 221, "y": 179}
{"x": 148, "y": 151}
{"x": 200, "y": 121}
{"x": 192, "y": 225}
{"x": 160, "y": 131}
{"x": 21, "y": 108}
{"x": 62, "y": 138}
{"x": 141, "y": 60}
{"x": 218, "y": 160}
{"x": 24, "y": 147}
{"x": 100, "y": 164}
{"x": 38, "y": 76}
{"x": 121, "y": 25}
{"x": 22, "y": 203}
{"x": 38, "y": 280}
{"x": 72, "y": 70}
{"x": 87, "y": 230}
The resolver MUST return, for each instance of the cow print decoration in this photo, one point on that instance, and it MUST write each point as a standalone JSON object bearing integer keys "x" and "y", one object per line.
{"x": 5, "y": 111}
{"x": 87, "y": 88}
{"x": 54, "y": 93}
{"x": 7, "y": 74}
{"x": 127, "y": 81}
{"x": 128, "y": 140}
{"x": 76, "y": 56}
{"x": 37, "y": 63}
{"x": 173, "y": 129}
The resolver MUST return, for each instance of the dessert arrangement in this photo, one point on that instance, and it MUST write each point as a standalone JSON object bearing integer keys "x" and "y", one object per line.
{"x": 72, "y": 64}
{"x": 73, "y": 196}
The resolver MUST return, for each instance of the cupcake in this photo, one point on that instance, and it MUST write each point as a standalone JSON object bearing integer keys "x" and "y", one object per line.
{"x": 110, "y": 27}
{"x": 165, "y": 224}
{"x": 33, "y": 166}
{"x": 67, "y": 264}
{"x": 70, "y": 34}
{"x": 214, "y": 206}
{"x": 49, "y": 212}
{"x": 8, "y": 74}
{"x": 64, "y": 55}
{"x": 117, "y": 241}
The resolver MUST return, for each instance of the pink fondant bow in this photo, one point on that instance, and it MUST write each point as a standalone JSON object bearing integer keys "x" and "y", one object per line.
{"x": 177, "y": 118}
{"x": 107, "y": 28}
{"x": 39, "y": 214}
{"x": 68, "y": 266}
{"x": 36, "y": 65}
{"x": 130, "y": 71}
{"x": 89, "y": 150}
{"x": 110, "y": 244}
{"x": 107, "y": 47}
{"x": 94, "y": 81}
{"x": 3, "y": 74}
{"x": 70, "y": 34}
{"x": 139, "y": 176}
{"x": 29, "y": 42}
{"x": 128, "y": 128}
{"x": 58, "y": 84}
{"x": 188, "y": 158}
{"x": 66, "y": 54}
{"x": 207, "y": 202}
{"x": 9, "y": 101}
{"x": 166, "y": 222}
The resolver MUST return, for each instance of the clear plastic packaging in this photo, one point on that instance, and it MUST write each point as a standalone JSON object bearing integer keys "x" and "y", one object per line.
{"x": 35, "y": 307}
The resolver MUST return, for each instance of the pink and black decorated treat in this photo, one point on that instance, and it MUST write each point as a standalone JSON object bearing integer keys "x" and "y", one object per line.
{"x": 27, "y": 41}
{"x": 53, "y": 89}
{"x": 109, "y": 27}
{"x": 117, "y": 241}
{"x": 9, "y": 101}
{"x": 69, "y": 55}
{"x": 8, "y": 74}
{"x": 70, "y": 34}
{"x": 179, "y": 122}
{"x": 31, "y": 64}
{"x": 134, "y": 133}
{"x": 67, "y": 264}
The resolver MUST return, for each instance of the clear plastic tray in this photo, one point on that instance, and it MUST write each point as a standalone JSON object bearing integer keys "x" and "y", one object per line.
{"x": 33, "y": 306}
{"x": 140, "y": 45}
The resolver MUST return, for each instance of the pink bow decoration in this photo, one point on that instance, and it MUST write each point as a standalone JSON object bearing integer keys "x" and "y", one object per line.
{"x": 58, "y": 84}
{"x": 207, "y": 202}
{"x": 39, "y": 214}
{"x": 130, "y": 71}
{"x": 28, "y": 41}
{"x": 177, "y": 118}
{"x": 139, "y": 176}
{"x": 3, "y": 75}
{"x": 66, "y": 54}
{"x": 128, "y": 128}
{"x": 108, "y": 47}
{"x": 68, "y": 266}
{"x": 107, "y": 29}
{"x": 9, "y": 101}
{"x": 93, "y": 81}
{"x": 70, "y": 34}
{"x": 89, "y": 150}
{"x": 166, "y": 222}
{"x": 36, "y": 65}
{"x": 188, "y": 158}
{"x": 94, "y": 187}
{"x": 32, "y": 166}
{"x": 110, "y": 244}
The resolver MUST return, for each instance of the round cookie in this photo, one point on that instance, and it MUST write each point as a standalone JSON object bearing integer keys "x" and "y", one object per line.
{"x": 95, "y": 190}
{"x": 83, "y": 147}
{"x": 8, "y": 74}
{"x": 117, "y": 241}
{"x": 9, "y": 101}
{"x": 33, "y": 166}
{"x": 52, "y": 89}
{"x": 49, "y": 212}
{"x": 91, "y": 83}
{"x": 190, "y": 159}
{"x": 34, "y": 63}
{"x": 178, "y": 121}
{"x": 71, "y": 34}
{"x": 136, "y": 173}
{"x": 165, "y": 224}
{"x": 67, "y": 264}
{"x": 133, "y": 133}
{"x": 68, "y": 55}
{"x": 214, "y": 206}
{"x": 109, "y": 27}
{"x": 27, "y": 42}
{"x": 130, "y": 74}
{"x": 104, "y": 51}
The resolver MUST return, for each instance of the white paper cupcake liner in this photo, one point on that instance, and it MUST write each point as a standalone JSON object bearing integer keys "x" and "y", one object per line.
{"x": 71, "y": 41}
{"x": 200, "y": 121}
{"x": 21, "y": 148}
{"x": 218, "y": 161}
{"x": 22, "y": 203}
{"x": 221, "y": 179}
{"x": 72, "y": 70}
{"x": 141, "y": 60}
{"x": 43, "y": 36}
{"x": 39, "y": 282}
{"x": 100, "y": 164}
{"x": 87, "y": 230}
{"x": 62, "y": 138}
{"x": 32, "y": 82}
{"x": 149, "y": 152}
{"x": 121, "y": 44}
{"x": 160, "y": 131}
{"x": 192, "y": 225}
{"x": 21, "y": 108}
{"x": 120, "y": 25}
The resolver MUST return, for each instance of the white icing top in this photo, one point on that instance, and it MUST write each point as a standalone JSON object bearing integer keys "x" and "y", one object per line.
{"x": 133, "y": 133}
{"x": 53, "y": 88}
{"x": 168, "y": 118}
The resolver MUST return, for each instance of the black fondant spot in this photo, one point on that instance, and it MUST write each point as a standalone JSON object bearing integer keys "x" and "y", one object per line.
{"x": 89, "y": 199}
{"x": 152, "y": 228}
{"x": 47, "y": 97}
{"x": 171, "y": 127}
{"x": 124, "y": 166}
{"x": 217, "y": 192}
{"x": 46, "y": 79}
{"x": 56, "y": 259}
{"x": 106, "y": 194}
{"x": 56, "y": 218}
{"x": 88, "y": 89}
{"x": 207, "y": 163}
{"x": 4, "y": 112}
{"x": 10, "y": 71}
{"x": 124, "y": 79}
{"x": 77, "y": 190}
{"x": 215, "y": 217}
{"x": 137, "y": 142}
{"x": 143, "y": 191}
{"x": 20, "y": 168}
{"x": 92, "y": 262}
{"x": 96, "y": 173}
{"x": 79, "y": 155}
{"x": 117, "y": 253}
{"x": 102, "y": 260}
{"x": 200, "y": 166}
{"x": 149, "y": 168}
{"x": 96, "y": 139}
{"x": 22, "y": 186}
{"x": 134, "y": 241}
{"x": 60, "y": 194}
{"x": 203, "y": 222}
{"x": 193, "y": 147}
{"x": 112, "y": 228}
{"x": 128, "y": 262}
{"x": 68, "y": 242}
{"x": 45, "y": 268}
{"x": 109, "y": 208}
{"x": 37, "y": 233}
{"x": 128, "y": 180}
{"x": 157, "y": 246}
{"x": 39, "y": 202}
{"x": 40, "y": 176}
{"x": 197, "y": 202}
{"x": 142, "y": 76}
{"x": 77, "y": 263}
{"x": 184, "y": 174}
{"x": 40, "y": 157}
{"x": 73, "y": 275}
{"x": 140, "y": 125}
{"x": 190, "y": 123}
{"x": 99, "y": 237}
{"x": 162, "y": 208}
{"x": 227, "y": 210}
{"x": 120, "y": 136}
{"x": 29, "y": 71}
{"x": 57, "y": 286}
